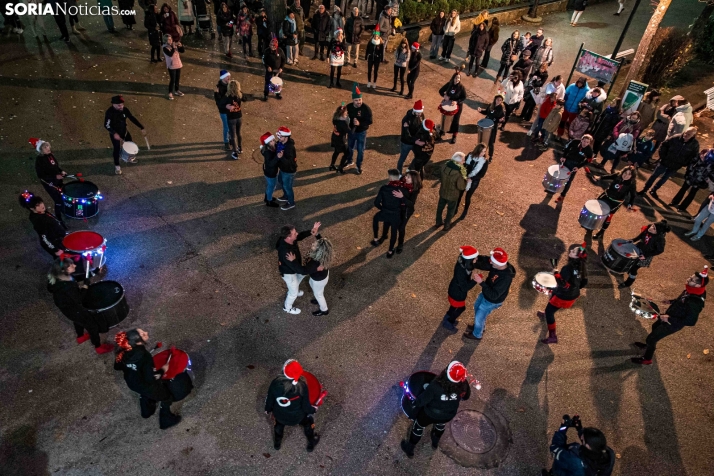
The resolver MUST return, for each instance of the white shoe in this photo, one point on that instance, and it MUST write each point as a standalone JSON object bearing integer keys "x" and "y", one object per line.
{"x": 529, "y": 133}
{"x": 292, "y": 310}
{"x": 301, "y": 293}
{"x": 117, "y": 170}
{"x": 441, "y": 58}
{"x": 133, "y": 160}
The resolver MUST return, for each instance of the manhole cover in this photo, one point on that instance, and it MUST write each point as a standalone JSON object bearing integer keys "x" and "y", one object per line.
{"x": 473, "y": 432}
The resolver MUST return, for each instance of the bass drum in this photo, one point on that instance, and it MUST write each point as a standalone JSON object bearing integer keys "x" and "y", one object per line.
{"x": 106, "y": 300}
{"x": 180, "y": 380}
{"x": 414, "y": 387}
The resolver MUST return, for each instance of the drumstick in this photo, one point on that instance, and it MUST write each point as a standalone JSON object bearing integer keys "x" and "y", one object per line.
{"x": 148, "y": 147}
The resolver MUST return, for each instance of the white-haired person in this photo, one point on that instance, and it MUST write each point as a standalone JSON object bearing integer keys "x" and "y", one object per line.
{"x": 453, "y": 183}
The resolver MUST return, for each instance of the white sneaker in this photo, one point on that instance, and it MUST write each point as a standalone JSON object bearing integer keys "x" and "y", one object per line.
{"x": 529, "y": 133}
{"x": 117, "y": 170}
{"x": 441, "y": 58}
{"x": 301, "y": 293}
{"x": 292, "y": 310}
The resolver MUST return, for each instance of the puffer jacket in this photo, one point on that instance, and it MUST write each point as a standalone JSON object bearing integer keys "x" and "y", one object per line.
{"x": 401, "y": 57}
{"x": 452, "y": 26}
{"x": 509, "y": 48}
{"x": 681, "y": 120}
{"x": 573, "y": 96}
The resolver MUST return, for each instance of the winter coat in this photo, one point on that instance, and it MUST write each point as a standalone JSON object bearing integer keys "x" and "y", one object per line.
{"x": 647, "y": 112}
{"x": 338, "y": 138}
{"x": 353, "y": 29}
{"x": 389, "y": 206}
{"x": 299, "y": 16}
{"x": 336, "y": 22}
{"x": 231, "y": 101}
{"x": 337, "y": 53}
{"x": 544, "y": 54}
{"x": 223, "y": 19}
{"x": 493, "y": 34}
{"x": 68, "y": 298}
{"x": 578, "y": 127}
{"x": 411, "y": 124}
{"x": 476, "y": 168}
{"x": 296, "y": 397}
{"x": 321, "y": 25}
{"x": 270, "y": 162}
{"x": 139, "y": 374}
{"x": 626, "y": 127}
{"x": 47, "y": 169}
{"x": 274, "y": 59}
{"x": 698, "y": 172}
{"x": 513, "y": 93}
{"x": 185, "y": 12}
{"x": 288, "y": 162}
{"x": 173, "y": 57}
{"x": 496, "y": 286}
{"x": 414, "y": 64}
{"x": 568, "y": 459}
{"x": 401, "y": 57}
{"x": 685, "y": 310}
{"x": 594, "y": 104}
{"x": 376, "y": 52}
{"x": 478, "y": 42}
{"x": 437, "y": 25}
{"x": 461, "y": 283}
{"x": 579, "y": 5}
{"x": 573, "y": 96}
{"x": 606, "y": 122}
{"x": 650, "y": 244}
{"x": 385, "y": 24}
{"x": 288, "y": 31}
{"x": 552, "y": 122}
{"x": 661, "y": 124}
{"x": 681, "y": 120}
{"x": 452, "y": 27}
{"x": 263, "y": 27}
{"x": 170, "y": 24}
{"x": 510, "y": 48}
{"x": 245, "y": 25}
{"x": 675, "y": 153}
{"x": 452, "y": 181}
{"x": 423, "y": 153}
{"x": 439, "y": 405}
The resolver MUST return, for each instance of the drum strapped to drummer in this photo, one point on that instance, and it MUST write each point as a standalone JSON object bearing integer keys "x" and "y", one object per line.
{"x": 115, "y": 122}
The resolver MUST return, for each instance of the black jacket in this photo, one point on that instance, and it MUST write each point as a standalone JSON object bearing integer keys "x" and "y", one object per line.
{"x": 389, "y": 206}
{"x": 311, "y": 267}
{"x": 295, "y": 397}
{"x": 138, "y": 367}
{"x": 579, "y": 5}
{"x": 649, "y": 244}
{"x": 270, "y": 162}
{"x": 262, "y": 27}
{"x": 422, "y": 153}
{"x": 461, "y": 283}
{"x": 685, "y": 310}
{"x": 620, "y": 190}
{"x": 218, "y": 96}
{"x": 454, "y": 92}
{"x": 321, "y": 25}
{"x": 676, "y": 153}
{"x": 497, "y": 284}
{"x": 223, "y": 19}
{"x": 48, "y": 169}
{"x": 288, "y": 162}
{"x": 414, "y": 64}
{"x": 274, "y": 59}
{"x": 353, "y": 29}
{"x": 68, "y": 298}
{"x": 363, "y": 115}
{"x": 295, "y": 266}
{"x": 535, "y": 43}
{"x": 437, "y": 25}
{"x": 115, "y": 121}
{"x": 571, "y": 459}
{"x": 509, "y": 48}
{"x": 411, "y": 124}
{"x": 570, "y": 281}
{"x": 376, "y": 52}
{"x": 478, "y": 42}
{"x": 49, "y": 230}
{"x": 605, "y": 123}
{"x": 439, "y": 405}
{"x": 233, "y": 101}
{"x": 575, "y": 156}
{"x": 495, "y": 114}
{"x": 338, "y": 138}
{"x": 523, "y": 65}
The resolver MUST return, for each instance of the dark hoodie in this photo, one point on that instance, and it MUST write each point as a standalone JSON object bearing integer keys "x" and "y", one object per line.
{"x": 462, "y": 283}
{"x": 139, "y": 374}
{"x": 649, "y": 244}
{"x": 298, "y": 400}
{"x": 295, "y": 266}
{"x": 288, "y": 162}
{"x": 575, "y": 460}
{"x": 48, "y": 169}
{"x": 497, "y": 284}
{"x": 685, "y": 310}
{"x": 441, "y": 405}
{"x": 570, "y": 281}
{"x": 68, "y": 298}
{"x": 50, "y": 231}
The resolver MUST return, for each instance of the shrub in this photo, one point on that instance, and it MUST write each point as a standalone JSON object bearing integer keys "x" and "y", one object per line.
{"x": 442, "y": 5}
{"x": 407, "y": 10}
{"x": 671, "y": 49}
{"x": 420, "y": 12}
{"x": 704, "y": 42}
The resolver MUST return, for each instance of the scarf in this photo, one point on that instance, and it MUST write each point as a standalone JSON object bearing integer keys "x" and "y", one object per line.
{"x": 404, "y": 184}
{"x": 293, "y": 28}
{"x": 460, "y": 167}
{"x": 395, "y": 183}
{"x": 695, "y": 291}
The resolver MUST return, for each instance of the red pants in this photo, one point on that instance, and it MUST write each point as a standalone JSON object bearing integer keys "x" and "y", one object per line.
{"x": 565, "y": 121}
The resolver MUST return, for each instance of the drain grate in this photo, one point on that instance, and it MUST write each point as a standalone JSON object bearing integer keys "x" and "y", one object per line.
{"x": 473, "y": 432}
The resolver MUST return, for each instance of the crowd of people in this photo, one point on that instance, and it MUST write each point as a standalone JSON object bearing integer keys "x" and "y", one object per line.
{"x": 575, "y": 115}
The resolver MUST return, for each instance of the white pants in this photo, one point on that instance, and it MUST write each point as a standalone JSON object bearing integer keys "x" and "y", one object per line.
{"x": 576, "y": 17}
{"x": 293, "y": 282}
{"x": 622, "y": 6}
{"x": 318, "y": 289}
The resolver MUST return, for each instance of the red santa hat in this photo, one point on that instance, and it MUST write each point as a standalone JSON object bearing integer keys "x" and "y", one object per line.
{"x": 456, "y": 372}
{"x": 428, "y": 125}
{"x": 284, "y": 132}
{"x": 418, "y": 106}
{"x": 266, "y": 138}
{"x": 415, "y": 45}
{"x": 705, "y": 272}
{"x": 499, "y": 257}
{"x": 36, "y": 143}
{"x": 469, "y": 252}
{"x": 292, "y": 370}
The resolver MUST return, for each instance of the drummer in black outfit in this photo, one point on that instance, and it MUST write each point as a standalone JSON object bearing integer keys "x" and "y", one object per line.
{"x": 682, "y": 312}
{"x": 411, "y": 186}
{"x": 115, "y": 122}
{"x": 140, "y": 376}
{"x": 455, "y": 92}
{"x": 289, "y": 402}
{"x": 67, "y": 295}
{"x": 49, "y": 173}
{"x": 49, "y": 229}
{"x": 622, "y": 190}
{"x": 438, "y": 405}
{"x": 576, "y": 155}
{"x": 570, "y": 279}
{"x": 650, "y": 242}
{"x": 496, "y": 111}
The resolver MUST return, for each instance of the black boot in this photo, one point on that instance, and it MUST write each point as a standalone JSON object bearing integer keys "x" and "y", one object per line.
{"x": 435, "y": 437}
{"x": 599, "y": 234}
{"x": 408, "y": 448}
{"x": 148, "y": 407}
{"x": 628, "y": 282}
{"x": 166, "y": 418}
{"x": 277, "y": 441}
{"x": 312, "y": 442}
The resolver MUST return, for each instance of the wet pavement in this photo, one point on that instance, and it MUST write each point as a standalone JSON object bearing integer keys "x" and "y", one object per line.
{"x": 192, "y": 243}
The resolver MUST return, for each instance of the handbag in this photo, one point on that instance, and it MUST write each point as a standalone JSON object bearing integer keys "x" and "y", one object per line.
{"x": 179, "y": 30}
{"x": 514, "y": 58}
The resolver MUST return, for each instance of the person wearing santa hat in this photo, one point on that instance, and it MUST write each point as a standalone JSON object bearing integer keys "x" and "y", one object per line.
{"x": 494, "y": 289}
{"x": 50, "y": 173}
{"x": 270, "y": 167}
{"x": 682, "y": 312}
{"x": 360, "y": 119}
{"x": 219, "y": 93}
{"x": 413, "y": 68}
{"x": 438, "y": 405}
{"x": 651, "y": 242}
{"x": 423, "y": 147}
{"x": 288, "y": 401}
{"x": 115, "y": 122}
{"x": 411, "y": 123}
{"x": 390, "y": 200}
{"x": 336, "y": 57}
{"x": 273, "y": 60}
{"x": 287, "y": 163}
{"x": 460, "y": 285}
{"x": 570, "y": 280}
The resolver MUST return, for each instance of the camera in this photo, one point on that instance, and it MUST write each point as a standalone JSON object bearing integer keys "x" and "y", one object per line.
{"x": 573, "y": 422}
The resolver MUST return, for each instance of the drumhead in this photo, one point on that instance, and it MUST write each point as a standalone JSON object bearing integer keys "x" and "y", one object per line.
{"x": 276, "y": 81}
{"x": 130, "y": 148}
{"x": 625, "y": 248}
{"x": 103, "y": 295}
{"x": 81, "y": 241}
{"x": 179, "y": 362}
{"x": 80, "y": 189}
{"x": 557, "y": 171}
{"x": 546, "y": 279}
{"x": 597, "y": 207}
{"x": 448, "y": 107}
{"x": 485, "y": 123}
{"x": 314, "y": 388}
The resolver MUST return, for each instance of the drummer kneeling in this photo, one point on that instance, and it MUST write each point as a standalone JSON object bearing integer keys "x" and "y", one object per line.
{"x": 140, "y": 376}
{"x": 438, "y": 405}
{"x": 289, "y": 401}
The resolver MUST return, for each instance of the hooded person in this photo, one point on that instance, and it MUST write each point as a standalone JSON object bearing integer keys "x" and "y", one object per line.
{"x": 682, "y": 312}
{"x": 461, "y": 283}
{"x": 437, "y": 405}
{"x": 591, "y": 456}
{"x": 288, "y": 401}
{"x": 570, "y": 280}
{"x": 682, "y": 118}
{"x": 651, "y": 242}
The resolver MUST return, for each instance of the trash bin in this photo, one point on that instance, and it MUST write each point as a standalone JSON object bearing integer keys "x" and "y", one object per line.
{"x": 485, "y": 129}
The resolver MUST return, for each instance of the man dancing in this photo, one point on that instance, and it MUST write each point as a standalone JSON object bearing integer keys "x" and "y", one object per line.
{"x": 460, "y": 285}
{"x": 682, "y": 312}
{"x": 292, "y": 270}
